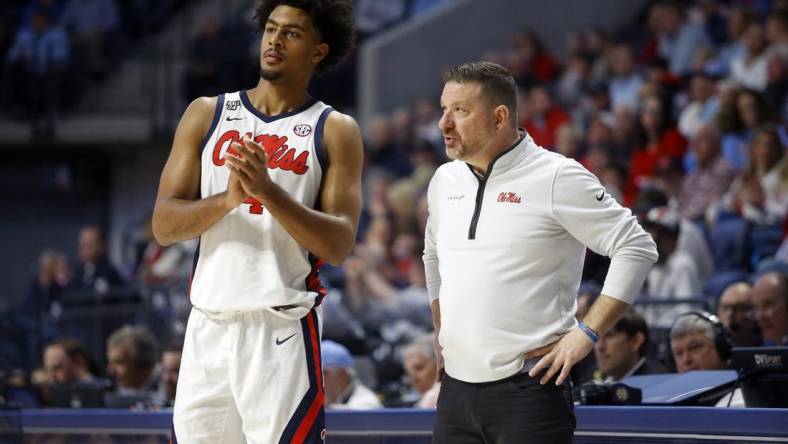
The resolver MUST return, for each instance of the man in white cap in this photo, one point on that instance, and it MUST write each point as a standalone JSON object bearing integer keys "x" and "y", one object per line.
{"x": 343, "y": 389}
{"x": 675, "y": 275}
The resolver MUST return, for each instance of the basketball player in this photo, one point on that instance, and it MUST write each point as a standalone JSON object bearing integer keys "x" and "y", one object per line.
{"x": 270, "y": 180}
{"x": 507, "y": 232}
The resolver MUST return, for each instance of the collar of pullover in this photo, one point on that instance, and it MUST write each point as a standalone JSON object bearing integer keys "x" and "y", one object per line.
{"x": 508, "y": 157}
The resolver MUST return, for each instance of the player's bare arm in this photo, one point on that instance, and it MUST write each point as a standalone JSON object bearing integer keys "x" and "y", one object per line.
{"x": 179, "y": 214}
{"x": 330, "y": 233}
{"x": 563, "y": 354}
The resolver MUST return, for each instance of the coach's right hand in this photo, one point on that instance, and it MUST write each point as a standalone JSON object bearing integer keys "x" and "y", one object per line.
{"x": 560, "y": 356}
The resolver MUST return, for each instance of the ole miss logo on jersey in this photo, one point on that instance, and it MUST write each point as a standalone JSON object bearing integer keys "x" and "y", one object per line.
{"x": 279, "y": 154}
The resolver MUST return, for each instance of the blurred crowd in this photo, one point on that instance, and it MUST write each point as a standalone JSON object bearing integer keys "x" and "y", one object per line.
{"x": 682, "y": 118}
{"x": 207, "y": 56}
{"x": 52, "y": 51}
{"x": 90, "y": 327}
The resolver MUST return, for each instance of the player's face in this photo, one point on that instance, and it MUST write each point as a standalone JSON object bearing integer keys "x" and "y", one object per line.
{"x": 467, "y": 123}
{"x": 290, "y": 43}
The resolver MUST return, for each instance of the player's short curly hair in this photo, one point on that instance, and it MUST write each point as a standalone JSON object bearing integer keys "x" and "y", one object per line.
{"x": 333, "y": 19}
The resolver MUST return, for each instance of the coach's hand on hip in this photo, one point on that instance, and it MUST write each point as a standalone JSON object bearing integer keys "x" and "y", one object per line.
{"x": 251, "y": 167}
{"x": 560, "y": 355}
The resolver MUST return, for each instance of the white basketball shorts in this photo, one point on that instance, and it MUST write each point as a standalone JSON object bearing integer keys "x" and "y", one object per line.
{"x": 250, "y": 377}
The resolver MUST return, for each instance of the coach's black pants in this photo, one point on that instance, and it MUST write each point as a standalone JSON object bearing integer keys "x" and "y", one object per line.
{"x": 515, "y": 410}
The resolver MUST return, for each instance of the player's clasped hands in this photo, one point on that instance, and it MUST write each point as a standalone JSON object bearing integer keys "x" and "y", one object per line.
{"x": 250, "y": 166}
{"x": 561, "y": 356}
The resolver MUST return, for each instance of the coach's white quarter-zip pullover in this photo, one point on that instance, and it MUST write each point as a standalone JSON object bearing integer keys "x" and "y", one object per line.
{"x": 504, "y": 253}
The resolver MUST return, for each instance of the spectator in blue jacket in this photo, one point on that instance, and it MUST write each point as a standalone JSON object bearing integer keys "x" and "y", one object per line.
{"x": 37, "y": 62}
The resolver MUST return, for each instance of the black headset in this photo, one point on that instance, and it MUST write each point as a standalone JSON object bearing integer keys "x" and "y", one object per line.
{"x": 723, "y": 341}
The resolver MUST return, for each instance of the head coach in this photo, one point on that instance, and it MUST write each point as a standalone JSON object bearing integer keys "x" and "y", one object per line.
{"x": 508, "y": 226}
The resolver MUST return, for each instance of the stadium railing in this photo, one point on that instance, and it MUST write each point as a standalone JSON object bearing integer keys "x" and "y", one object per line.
{"x": 597, "y": 424}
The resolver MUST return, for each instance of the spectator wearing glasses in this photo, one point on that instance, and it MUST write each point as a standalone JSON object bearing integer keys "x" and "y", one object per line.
{"x": 735, "y": 311}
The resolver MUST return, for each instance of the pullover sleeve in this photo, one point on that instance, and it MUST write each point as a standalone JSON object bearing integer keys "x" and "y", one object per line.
{"x": 581, "y": 205}
{"x": 430, "y": 257}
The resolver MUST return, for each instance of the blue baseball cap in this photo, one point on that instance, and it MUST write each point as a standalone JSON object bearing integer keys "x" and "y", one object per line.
{"x": 335, "y": 355}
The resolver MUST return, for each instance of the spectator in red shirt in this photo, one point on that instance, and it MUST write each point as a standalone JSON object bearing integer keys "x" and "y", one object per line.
{"x": 659, "y": 140}
{"x": 545, "y": 117}
{"x": 542, "y": 66}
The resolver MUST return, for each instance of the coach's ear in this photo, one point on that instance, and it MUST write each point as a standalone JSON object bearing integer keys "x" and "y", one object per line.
{"x": 320, "y": 53}
{"x": 501, "y": 115}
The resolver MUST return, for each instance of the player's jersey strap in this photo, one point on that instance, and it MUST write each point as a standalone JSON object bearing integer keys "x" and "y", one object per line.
{"x": 217, "y": 114}
{"x": 307, "y": 425}
{"x": 319, "y": 150}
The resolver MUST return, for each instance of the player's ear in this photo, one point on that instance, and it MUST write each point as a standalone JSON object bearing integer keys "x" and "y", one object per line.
{"x": 320, "y": 53}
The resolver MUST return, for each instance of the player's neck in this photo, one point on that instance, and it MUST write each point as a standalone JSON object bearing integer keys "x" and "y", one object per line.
{"x": 274, "y": 98}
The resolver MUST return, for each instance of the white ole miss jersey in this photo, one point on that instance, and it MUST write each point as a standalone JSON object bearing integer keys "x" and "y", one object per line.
{"x": 247, "y": 261}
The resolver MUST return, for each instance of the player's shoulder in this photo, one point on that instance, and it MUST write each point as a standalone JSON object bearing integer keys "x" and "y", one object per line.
{"x": 341, "y": 131}
{"x": 342, "y": 139}
{"x": 203, "y": 105}
{"x": 340, "y": 122}
{"x": 200, "y": 111}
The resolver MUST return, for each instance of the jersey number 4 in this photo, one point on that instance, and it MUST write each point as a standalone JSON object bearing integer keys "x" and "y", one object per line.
{"x": 255, "y": 206}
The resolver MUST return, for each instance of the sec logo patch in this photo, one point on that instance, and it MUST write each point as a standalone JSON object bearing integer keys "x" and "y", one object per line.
{"x": 302, "y": 130}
